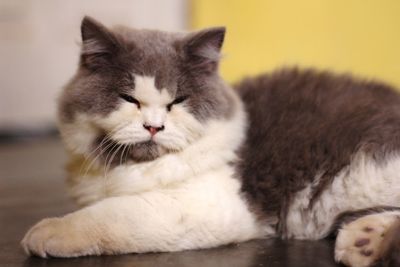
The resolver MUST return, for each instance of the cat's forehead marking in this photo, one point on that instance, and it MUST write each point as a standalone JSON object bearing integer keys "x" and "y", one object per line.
{"x": 155, "y": 55}
{"x": 147, "y": 92}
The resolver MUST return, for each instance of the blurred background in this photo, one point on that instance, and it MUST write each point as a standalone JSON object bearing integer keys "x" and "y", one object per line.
{"x": 39, "y": 52}
{"x": 39, "y": 42}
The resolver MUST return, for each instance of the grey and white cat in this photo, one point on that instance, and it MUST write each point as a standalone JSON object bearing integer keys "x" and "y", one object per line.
{"x": 165, "y": 156}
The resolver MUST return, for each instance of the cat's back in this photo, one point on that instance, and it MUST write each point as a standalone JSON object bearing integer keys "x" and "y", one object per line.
{"x": 304, "y": 103}
{"x": 304, "y": 123}
{"x": 312, "y": 90}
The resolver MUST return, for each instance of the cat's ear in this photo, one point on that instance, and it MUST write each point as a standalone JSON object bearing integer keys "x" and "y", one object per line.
{"x": 203, "y": 49}
{"x": 99, "y": 45}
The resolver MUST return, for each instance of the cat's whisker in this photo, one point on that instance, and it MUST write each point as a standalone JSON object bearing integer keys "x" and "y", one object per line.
{"x": 110, "y": 143}
{"x": 104, "y": 169}
{"x": 109, "y": 161}
{"x": 107, "y": 157}
{"x": 107, "y": 140}
{"x": 122, "y": 154}
{"x": 104, "y": 141}
{"x": 108, "y": 165}
{"x": 127, "y": 152}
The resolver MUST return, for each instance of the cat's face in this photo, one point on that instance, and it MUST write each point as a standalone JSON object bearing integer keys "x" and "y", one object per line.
{"x": 139, "y": 94}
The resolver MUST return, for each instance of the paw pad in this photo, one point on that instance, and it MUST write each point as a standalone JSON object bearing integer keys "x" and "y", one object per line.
{"x": 362, "y": 242}
{"x": 366, "y": 253}
{"x": 368, "y": 229}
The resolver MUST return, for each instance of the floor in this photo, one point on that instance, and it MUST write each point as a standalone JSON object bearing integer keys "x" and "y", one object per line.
{"x": 31, "y": 188}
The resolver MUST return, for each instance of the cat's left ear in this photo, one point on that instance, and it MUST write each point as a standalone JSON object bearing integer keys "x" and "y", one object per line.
{"x": 99, "y": 45}
{"x": 202, "y": 50}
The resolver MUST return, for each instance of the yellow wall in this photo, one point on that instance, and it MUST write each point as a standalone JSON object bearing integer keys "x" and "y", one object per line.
{"x": 361, "y": 36}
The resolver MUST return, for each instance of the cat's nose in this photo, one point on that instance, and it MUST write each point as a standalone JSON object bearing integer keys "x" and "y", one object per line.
{"x": 153, "y": 129}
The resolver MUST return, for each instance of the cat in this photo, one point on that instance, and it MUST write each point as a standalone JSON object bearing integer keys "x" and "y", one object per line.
{"x": 165, "y": 156}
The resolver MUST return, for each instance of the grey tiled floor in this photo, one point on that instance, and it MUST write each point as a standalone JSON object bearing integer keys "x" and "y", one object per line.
{"x": 32, "y": 187}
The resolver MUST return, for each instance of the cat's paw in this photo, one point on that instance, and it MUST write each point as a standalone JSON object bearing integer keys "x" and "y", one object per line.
{"x": 57, "y": 237}
{"x": 359, "y": 243}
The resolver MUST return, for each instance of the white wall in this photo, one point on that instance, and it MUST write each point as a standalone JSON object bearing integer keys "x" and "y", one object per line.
{"x": 39, "y": 48}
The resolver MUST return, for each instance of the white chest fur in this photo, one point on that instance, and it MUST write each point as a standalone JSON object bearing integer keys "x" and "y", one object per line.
{"x": 197, "y": 184}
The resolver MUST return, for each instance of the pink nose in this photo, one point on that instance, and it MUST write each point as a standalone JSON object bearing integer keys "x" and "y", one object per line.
{"x": 153, "y": 130}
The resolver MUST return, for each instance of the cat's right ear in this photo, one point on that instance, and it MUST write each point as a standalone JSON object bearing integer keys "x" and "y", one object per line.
{"x": 202, "y": 49}
{"x": 99, "y": 45}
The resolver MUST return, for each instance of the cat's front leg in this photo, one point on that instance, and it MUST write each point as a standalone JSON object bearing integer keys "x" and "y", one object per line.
{"x": 199, "y": 215}
{"x": 112, "y": 226}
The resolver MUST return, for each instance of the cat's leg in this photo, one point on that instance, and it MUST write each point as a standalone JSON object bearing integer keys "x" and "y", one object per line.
{"x": 189, "y": 217}
{"x": 369, "y": 239}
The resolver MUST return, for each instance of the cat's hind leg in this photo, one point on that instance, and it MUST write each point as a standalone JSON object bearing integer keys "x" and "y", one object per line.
{"x": 370, "y": 239}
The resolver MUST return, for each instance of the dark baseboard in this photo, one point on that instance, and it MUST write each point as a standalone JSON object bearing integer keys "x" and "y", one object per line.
{"x": 16, "y": 135}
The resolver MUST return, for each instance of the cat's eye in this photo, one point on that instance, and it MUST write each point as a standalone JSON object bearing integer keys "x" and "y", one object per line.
{"x": 130, "y": 99}
{"x": 177, "y": 100}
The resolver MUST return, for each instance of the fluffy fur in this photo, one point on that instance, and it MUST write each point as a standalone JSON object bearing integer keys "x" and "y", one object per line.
{"x": 166, "y": 157}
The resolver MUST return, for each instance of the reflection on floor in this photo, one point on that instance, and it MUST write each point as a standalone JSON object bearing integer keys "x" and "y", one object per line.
{"x": 32, "y": 187}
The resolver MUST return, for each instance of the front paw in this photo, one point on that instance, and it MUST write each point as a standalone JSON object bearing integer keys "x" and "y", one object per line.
{"x": 58, "y": 237}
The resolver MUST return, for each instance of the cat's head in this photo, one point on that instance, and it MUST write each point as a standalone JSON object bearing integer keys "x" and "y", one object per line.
{"x": 139, "y": 94}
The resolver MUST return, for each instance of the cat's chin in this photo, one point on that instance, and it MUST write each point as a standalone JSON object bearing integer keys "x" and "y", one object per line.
{"x": 146, "y": 151}
{"x": 112, "y": 152}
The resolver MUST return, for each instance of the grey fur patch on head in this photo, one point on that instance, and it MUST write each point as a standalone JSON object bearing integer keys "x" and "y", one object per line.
{"x": 184, "y": 64}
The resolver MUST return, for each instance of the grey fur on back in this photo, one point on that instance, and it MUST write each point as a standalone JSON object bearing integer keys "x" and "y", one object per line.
{"x": 305, "y": 123}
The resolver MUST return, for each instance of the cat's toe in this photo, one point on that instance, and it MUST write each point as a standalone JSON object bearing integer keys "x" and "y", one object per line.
{"x": 57, "y": 238}
{"x": 33, "y": 242}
